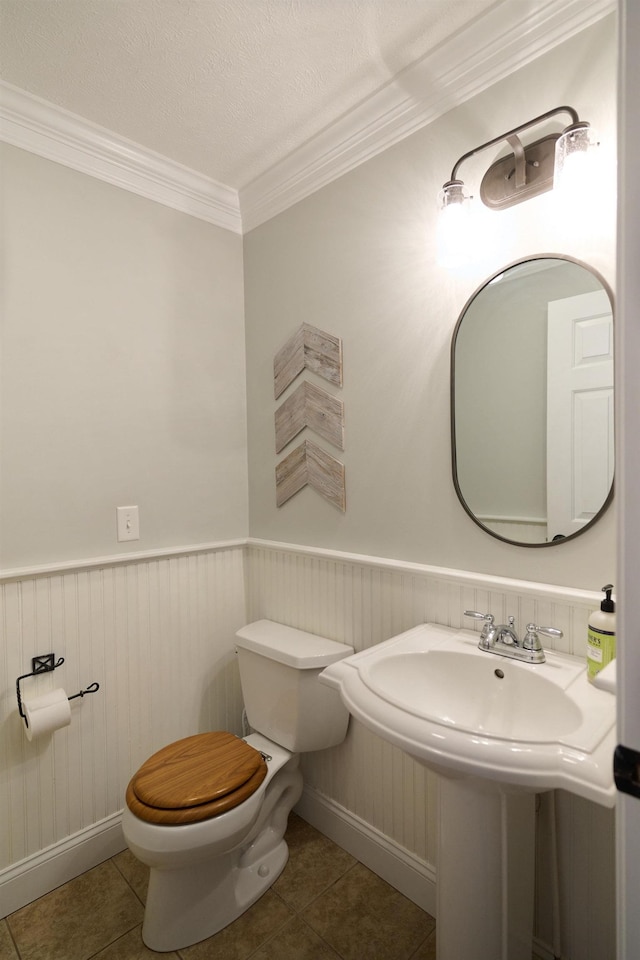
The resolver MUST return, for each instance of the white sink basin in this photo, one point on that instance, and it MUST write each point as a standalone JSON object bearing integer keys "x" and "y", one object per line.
{"x": 466, "y": 712}
{"x": 496, "y": 699}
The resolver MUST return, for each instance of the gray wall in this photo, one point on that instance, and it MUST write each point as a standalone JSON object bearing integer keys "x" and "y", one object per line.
{"x": 122, "y": 370}
{"x": 357, "y": 259}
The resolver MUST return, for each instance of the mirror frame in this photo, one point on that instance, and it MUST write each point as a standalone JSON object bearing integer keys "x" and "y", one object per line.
{"x": 452, "y": 385}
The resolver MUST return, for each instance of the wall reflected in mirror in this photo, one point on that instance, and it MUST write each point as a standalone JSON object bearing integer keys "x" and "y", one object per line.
{"x": 532, "y": 401}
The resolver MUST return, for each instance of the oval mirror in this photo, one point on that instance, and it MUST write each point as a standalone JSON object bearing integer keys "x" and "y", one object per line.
{"x": 532, "y": 401}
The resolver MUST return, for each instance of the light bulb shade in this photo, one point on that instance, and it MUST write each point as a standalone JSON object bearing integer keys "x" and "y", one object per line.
{"x": 574, "y": 149}
{"x": 453, "y": 194}
{"x": 453, "y": 224}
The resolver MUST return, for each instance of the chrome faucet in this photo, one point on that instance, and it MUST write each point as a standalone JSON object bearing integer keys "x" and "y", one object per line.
{"x": 506, "y": 633}
{"x": 503, "y": 639}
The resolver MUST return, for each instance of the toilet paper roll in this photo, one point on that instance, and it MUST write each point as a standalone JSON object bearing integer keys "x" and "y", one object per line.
{"x": 46, "y": 713}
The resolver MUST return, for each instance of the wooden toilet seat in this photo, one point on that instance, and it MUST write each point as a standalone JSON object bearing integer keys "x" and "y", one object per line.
{"x": 195, "y": 779}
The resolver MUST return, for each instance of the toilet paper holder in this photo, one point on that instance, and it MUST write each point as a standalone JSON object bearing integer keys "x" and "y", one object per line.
{"x": 45, "y": 663}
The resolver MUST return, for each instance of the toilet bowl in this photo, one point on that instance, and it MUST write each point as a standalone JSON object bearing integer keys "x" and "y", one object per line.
{"x": 208, "y": 813}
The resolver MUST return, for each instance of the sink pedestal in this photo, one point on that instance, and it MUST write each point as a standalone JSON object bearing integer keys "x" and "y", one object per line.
{"x": 485, "y": 871}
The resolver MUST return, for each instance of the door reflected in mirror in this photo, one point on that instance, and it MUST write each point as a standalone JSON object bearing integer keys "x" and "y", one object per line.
{"x": 532, "y": 401}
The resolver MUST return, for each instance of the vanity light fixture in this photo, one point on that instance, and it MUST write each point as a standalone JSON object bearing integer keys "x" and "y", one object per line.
{"x": 529, "y": 170}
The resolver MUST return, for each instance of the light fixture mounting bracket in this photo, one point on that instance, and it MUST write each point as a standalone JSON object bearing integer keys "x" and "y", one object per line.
{"x": 519, "y": 177}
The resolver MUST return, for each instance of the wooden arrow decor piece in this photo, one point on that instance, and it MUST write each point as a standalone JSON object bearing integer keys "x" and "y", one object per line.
{"x": 310, "y": 464}
{"x": 308, "y": 349}
{"x": 310, "y": 406}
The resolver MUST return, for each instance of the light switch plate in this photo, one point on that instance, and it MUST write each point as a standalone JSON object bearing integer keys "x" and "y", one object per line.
{"x": 128, "y": 523}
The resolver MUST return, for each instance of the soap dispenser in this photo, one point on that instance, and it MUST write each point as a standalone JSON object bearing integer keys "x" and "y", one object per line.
{"x": 601, "y": 637}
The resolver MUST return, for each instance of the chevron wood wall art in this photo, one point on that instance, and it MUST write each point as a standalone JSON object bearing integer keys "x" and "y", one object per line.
{"x": 308, "y": 349}
{"x": 310, "y": 406}
{"x": 310, "y": 464}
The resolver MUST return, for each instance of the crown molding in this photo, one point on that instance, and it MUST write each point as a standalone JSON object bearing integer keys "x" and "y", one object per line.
{"x": 488, "y": 50}
{"x": 47, "y": 130}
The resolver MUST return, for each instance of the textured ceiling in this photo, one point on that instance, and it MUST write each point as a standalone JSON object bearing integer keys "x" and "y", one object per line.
{"x": 226, "y": 87}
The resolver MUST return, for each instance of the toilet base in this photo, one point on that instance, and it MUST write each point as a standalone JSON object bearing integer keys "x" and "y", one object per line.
{"x": 190, "y": 903}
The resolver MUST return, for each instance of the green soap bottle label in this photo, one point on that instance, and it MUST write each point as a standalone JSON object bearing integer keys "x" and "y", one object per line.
{"x": 601, "y": 650}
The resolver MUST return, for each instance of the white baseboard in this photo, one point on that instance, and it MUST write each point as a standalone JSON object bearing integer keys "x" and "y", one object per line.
{"x": 403, "y": 870}
{"x": 34, "y": 876}
{"x": 37, "y": 875}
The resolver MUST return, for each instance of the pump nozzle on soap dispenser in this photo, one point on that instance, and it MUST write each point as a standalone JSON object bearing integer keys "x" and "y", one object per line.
{"x": 601, "y": 637}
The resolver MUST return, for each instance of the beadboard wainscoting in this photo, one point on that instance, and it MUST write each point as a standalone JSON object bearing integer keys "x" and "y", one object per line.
{"x": 158, "y": 635}
{"x": 378, "y": 803}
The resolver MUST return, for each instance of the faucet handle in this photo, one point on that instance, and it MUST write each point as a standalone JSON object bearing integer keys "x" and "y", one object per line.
{"x": 532, "y": 640}
{"x": 479, "y": 616}
{"x": 488, "y": 631}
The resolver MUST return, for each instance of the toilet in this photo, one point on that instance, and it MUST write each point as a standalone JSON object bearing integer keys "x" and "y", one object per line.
{"x": 208, "y": 813}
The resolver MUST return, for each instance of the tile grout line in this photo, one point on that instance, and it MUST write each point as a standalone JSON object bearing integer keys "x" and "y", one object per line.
{"x": 129, "y": 884}
{"x": 320, "y": 937}
{"x": 422, "y": 943}
{"x": 297, "y": 915}
{"x": 12, "y": 938}
{"x": 113, "y": 942}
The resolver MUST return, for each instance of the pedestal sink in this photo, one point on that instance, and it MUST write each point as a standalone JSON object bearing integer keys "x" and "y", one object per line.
{"x": 498, "y": 731}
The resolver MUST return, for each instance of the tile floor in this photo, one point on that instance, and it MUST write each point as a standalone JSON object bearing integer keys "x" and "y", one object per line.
{"x": 324, "y": 906}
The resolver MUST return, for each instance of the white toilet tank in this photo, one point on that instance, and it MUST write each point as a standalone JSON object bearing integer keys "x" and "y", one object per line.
{"x": 284, "y": 700}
